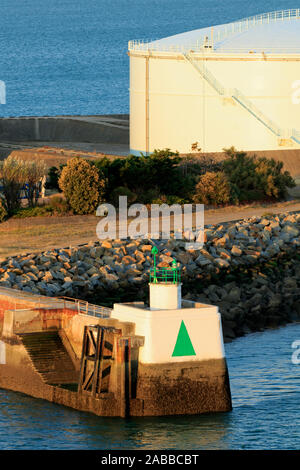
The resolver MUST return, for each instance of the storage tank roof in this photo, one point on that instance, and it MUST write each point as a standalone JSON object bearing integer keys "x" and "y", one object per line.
{"x": 276, "y": 32}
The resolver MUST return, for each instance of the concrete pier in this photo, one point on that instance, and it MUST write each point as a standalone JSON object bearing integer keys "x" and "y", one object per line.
{"x": 85, "y": 357}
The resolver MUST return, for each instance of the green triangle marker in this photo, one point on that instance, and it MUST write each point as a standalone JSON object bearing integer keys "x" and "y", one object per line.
{"x": 183, "y": 346}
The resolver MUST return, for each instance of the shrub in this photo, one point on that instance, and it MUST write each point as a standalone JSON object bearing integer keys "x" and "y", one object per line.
{"x": 240, "y": 171}
{"x": 13, "y": 178}
{"x": 148, "y": 196}
{"x": 59, "y": 205}
{"x": 192, "y": 165}
{"x": 111, "y": 169}
{"x": 213, "y": 188}
{"x": 160, "y": 169}
{"x": 53, "y": 177}
{"x": 82, "y": 185}
{"x": 122, "y": 191}
{"x": 3, "y": 211}
{"x": 254, "y": 178}
{"x": 274, "y": 181}
{"x": 165, "y": 199}
{"x": 142, "y": 174}
{"x": 37, "y": 211}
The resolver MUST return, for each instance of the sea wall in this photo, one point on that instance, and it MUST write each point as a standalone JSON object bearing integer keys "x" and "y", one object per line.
{"x": 250, "y": 269}
{"x": 66, "y": 129}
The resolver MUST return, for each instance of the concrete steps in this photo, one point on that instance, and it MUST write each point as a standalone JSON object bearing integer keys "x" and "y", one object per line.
{"x": 50, "y": 358}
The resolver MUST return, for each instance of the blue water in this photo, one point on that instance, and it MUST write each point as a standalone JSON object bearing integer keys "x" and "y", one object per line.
{"x": 265, "y": 387}
{"x": 69, "y": 56}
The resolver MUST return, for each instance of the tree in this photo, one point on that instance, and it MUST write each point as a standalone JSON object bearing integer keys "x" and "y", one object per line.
{"x": 82, "y": 185}
{"x": 35, "y": 171}
{"x": 13, "y": 177}
{"x": 256, "y": 178}
{"x": 272, "y": 178}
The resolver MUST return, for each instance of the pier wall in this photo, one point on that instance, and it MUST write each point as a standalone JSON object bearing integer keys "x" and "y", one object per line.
{"x": 44, "y": 346}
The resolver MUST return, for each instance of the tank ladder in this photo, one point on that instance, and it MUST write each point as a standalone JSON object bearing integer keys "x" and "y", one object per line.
{"x": 295, "y": 136}
{"x": 241, "y": 99}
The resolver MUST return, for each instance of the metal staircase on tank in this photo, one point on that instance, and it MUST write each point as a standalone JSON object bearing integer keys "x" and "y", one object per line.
{"x": 242, "y": 100}
{"x": 295, "y": 136}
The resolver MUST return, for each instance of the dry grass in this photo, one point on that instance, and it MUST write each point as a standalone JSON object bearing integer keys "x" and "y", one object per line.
{"x": 21, "y": 236}
{"x": 56, "y": 156}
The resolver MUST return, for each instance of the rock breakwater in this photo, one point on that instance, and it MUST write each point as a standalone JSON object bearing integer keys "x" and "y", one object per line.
{"x": 250, "y": 269}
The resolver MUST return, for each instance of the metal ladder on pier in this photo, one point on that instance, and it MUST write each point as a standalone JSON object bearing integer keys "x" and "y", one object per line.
{"x": 109, "y": 365}
{"x": 98, "y": 351}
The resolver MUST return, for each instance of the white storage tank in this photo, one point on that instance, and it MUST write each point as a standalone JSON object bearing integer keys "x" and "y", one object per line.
{"x": 236, "y": 84}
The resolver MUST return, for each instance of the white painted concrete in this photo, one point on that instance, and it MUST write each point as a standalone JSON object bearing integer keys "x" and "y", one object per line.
{"x": 161, "y": 327}
{"x": 165, "y": 296}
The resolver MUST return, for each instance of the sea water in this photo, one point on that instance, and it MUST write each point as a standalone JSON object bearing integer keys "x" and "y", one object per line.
{"x": 265, "y": 386}
{"x": 66, "y": 57}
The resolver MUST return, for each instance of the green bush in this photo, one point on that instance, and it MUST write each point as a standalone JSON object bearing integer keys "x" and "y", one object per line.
{"x": 56, "y": 206}
{"x": 197, "y": 165}
{"x": 213, "y": 188}
{"x": 274, "y": 181}
{"x": 165, "y": 199}
{"x": 122, "y": 191}
{"x": 111, "y": 170}
{"x": 254, "y": 178}
{"x": 53, "y": 177}
{"x": 37, "y": 211}
{"x": 148, "y": 196}
{"x": 141, "y": 174}
{"x": 83, "y": 185}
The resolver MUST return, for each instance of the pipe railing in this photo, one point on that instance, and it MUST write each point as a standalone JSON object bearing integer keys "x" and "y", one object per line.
{"x": 246, "y": 23}
{"x": 86, "y": 308}
{"x": 82, "y": 307}
{"x": 206, "y": 74}
{"x": 219, "y": 33}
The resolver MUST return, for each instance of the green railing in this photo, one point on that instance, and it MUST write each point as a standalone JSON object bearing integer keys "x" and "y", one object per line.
{"x": 165, "y": 275}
